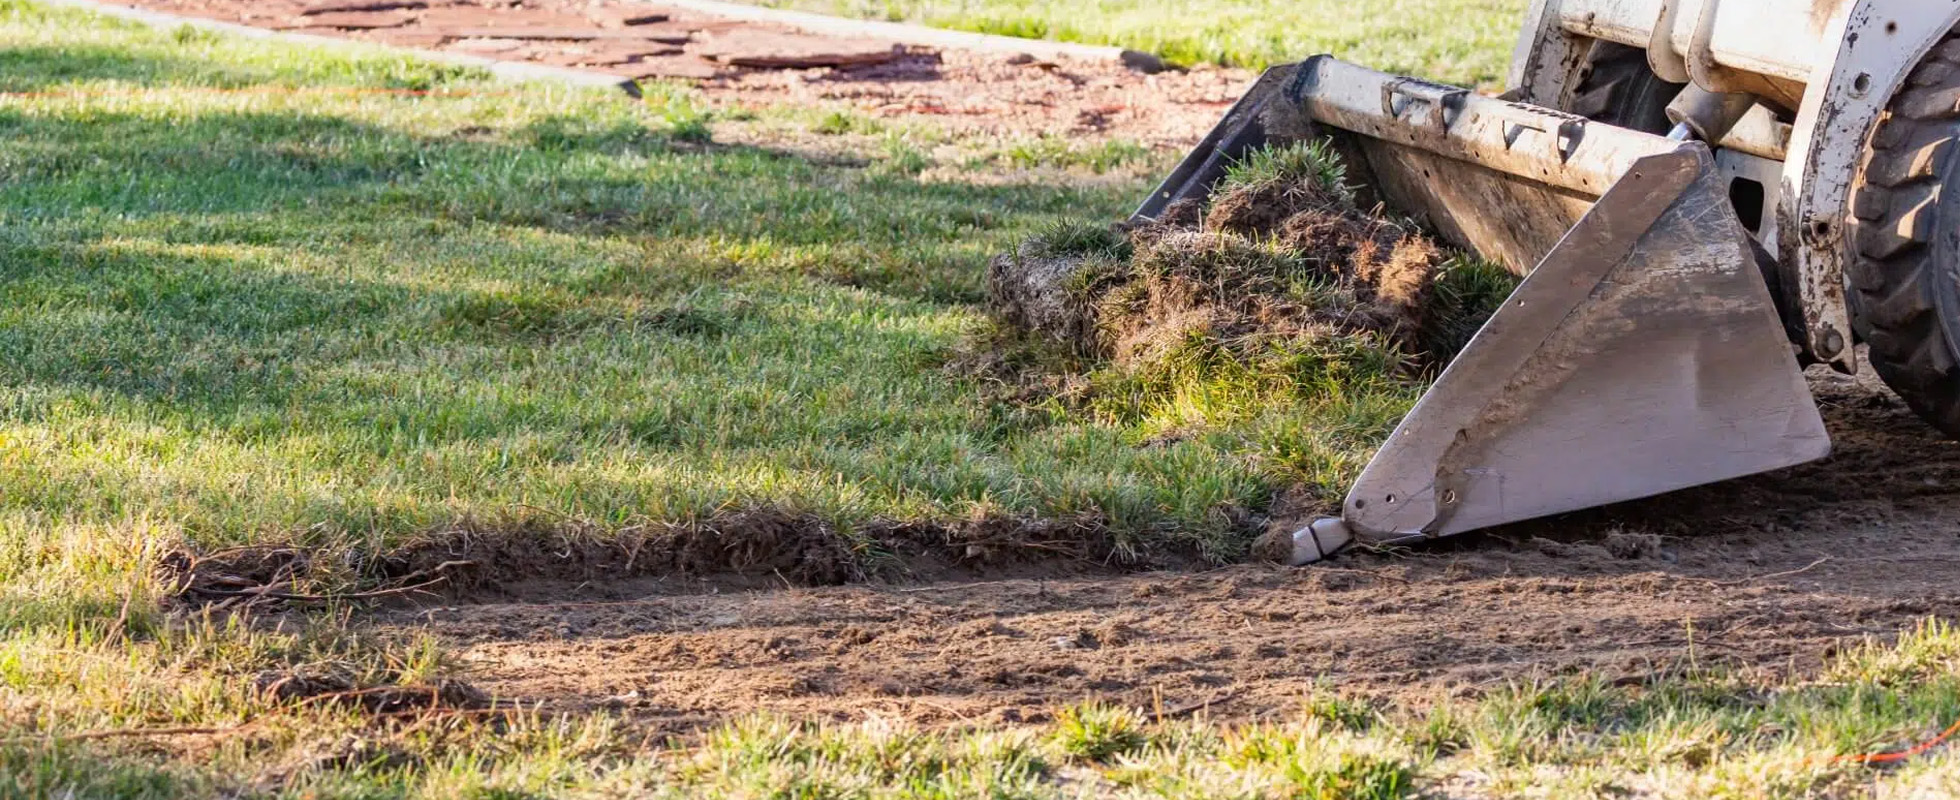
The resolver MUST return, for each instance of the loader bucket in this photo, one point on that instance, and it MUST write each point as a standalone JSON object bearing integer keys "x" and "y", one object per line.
{"x": 1641, "y": 354}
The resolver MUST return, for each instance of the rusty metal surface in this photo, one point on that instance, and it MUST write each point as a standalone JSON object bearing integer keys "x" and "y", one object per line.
{"x": 1643, "y": 356}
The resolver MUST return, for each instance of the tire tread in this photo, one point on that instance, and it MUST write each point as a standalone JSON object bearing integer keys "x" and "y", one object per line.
{"x": 1895, "y": 279}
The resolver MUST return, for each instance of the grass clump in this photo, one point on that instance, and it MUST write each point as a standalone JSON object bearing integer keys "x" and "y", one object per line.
{"x": 1356, "y": 777}
{"x": 838, "y": 123}
{"x": 1311, "y": 164}
{"x": 1099, "y": 732}
{"x": 1054, "y": 151}
{"x": 1279, "y": 296}
{"x": 1071, "y": 237}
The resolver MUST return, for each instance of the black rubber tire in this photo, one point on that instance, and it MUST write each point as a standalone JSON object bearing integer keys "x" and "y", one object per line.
{"x": 1905, "y": 276}
{"x": 1619, "y": 89}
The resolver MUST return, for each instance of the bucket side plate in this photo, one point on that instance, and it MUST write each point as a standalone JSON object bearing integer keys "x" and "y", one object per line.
{"x": 1643, "y": 355}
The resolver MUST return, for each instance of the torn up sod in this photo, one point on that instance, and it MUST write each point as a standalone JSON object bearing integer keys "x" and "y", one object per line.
{"x": 1280, "y": 318}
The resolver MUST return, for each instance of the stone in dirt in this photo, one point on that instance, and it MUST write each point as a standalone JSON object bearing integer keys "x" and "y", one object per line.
{"x": 490, "y": 46}
{"x": 504, "y": 19}
{"x": 970, "y": 645}
{"x": 625, "y": 18}
{"x": 363, "y": 5}
{"x": 604, "y": 56}
{"x": 352, "y": 20}
{"x": 773, "y": 50}
{"x": 668, "y": 67}
{"x": 1143, "y": 62}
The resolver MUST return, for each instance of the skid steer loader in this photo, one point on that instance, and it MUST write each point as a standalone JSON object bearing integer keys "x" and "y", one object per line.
{"x": 1704, "y": 196}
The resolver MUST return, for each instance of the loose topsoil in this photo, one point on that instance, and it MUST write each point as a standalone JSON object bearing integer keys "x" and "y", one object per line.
{"x": 755, "y": 64}
{"x": 1771, "y": 572}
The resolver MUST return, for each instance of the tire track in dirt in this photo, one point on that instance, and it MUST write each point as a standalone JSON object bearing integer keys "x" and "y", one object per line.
{"x": 1738, "y": 565}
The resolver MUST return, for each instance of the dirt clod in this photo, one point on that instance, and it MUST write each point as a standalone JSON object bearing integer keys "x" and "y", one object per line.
{"x": 314, "y": 688}
{"x": 1580, "y": 551}
{"x": 1275, "y": 546}
{"x": 1633, "y": 546}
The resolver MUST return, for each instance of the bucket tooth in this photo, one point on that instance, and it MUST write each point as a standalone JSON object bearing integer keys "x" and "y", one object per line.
{"x": 1642, "y": 355}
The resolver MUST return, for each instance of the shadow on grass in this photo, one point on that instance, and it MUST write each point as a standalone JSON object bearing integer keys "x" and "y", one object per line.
{"x": 575, "y": 307}
{"x": 83, "y": 770}
{"x": 187, "y": 232}
{"x": 55, "y": 69}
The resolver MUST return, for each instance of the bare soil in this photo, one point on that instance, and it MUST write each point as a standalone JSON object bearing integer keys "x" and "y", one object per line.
{"x": 1771, "y": 572}
{"x": 991, "y": 93}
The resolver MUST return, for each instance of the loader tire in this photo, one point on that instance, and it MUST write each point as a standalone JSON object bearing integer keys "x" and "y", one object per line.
{"x": 1904, "y": 279}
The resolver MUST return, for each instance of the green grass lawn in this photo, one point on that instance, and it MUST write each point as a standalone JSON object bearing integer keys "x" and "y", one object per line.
{"x": 1466, "y": 42}
{"x": 246, "y": 297}
{"x": 284, "y": 312}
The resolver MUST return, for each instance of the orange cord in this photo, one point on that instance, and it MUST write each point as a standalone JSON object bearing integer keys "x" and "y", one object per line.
{"x": 1901, "y": 755}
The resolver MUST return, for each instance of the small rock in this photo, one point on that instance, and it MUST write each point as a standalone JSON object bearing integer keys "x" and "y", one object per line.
{"x": 351, "y": 20}
{"x": 1082, "y": 640}
{"x": 362, "y": 5}
{"x": 669, "y": 67}
{"x": 1143, "y": 62}
{"x": 1112, "y": 634}
{"x": 624, "y": 18}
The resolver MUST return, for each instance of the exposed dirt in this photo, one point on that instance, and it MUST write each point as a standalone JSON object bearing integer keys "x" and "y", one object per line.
{"x": 1769, "y": 572}
{"x": 736, "y": 548}
{"x": 995, "y": 93}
